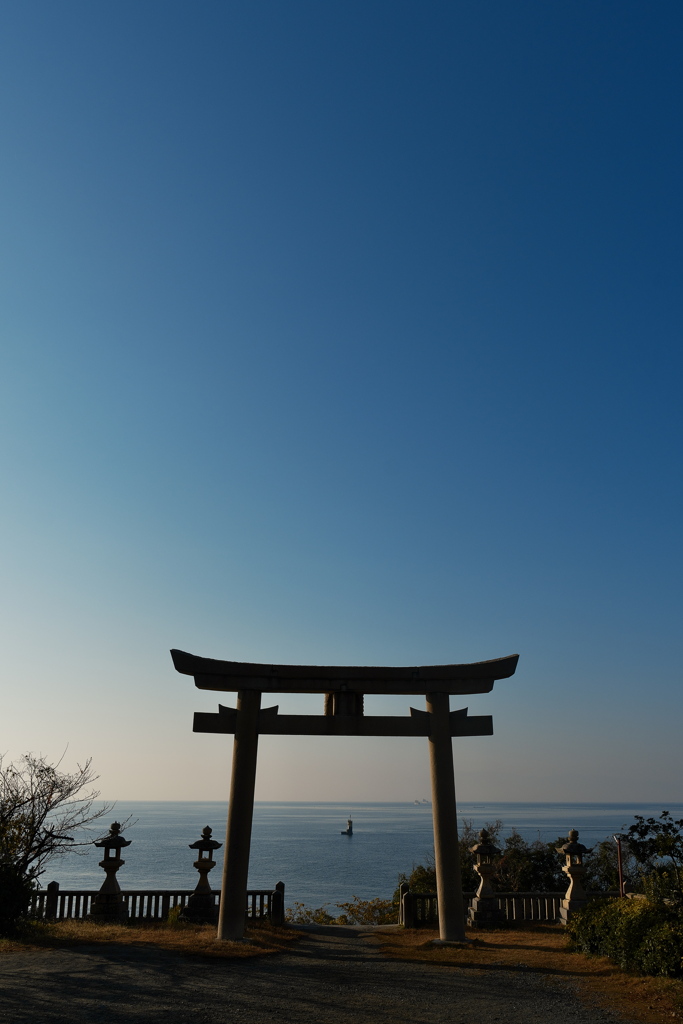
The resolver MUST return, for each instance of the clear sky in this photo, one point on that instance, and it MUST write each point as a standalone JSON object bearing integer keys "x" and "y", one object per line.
{"x": 343, "y": 333}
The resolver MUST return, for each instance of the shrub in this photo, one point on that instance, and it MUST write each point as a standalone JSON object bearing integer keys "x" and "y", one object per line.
{"x": 358, "y": 911}
{"x": 638, "y": 934}
{"x": 660, "y": 886}
{"x": 301, "y": 914}
{"x": 375, "y": 911}
{"x": 16, "y": 889}
{"x": 173, "y": 919}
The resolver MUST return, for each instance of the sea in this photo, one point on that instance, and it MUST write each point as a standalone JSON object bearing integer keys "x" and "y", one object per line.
{"x": 303, "y": 845}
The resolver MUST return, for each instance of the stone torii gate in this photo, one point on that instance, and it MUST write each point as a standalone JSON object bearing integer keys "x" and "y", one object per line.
{"x": 343, "y": 688}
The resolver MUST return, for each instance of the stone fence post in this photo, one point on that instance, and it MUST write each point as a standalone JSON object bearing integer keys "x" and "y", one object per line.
{"x": 277, "y": 905}
{"x": 52, "y": 901}
{"x": 408, "y": 905}
{"x": 403, "y": 888}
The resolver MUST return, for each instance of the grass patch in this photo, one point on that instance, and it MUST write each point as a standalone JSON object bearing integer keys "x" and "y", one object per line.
{"x": 544, "y": 949}
{"x": 183, "y": 938}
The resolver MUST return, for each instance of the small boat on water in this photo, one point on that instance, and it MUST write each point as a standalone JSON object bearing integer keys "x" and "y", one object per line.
{"x": 348, "y": 831}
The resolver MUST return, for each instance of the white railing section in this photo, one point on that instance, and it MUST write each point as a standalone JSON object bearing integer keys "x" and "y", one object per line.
{"x": 421, "y": 909}
{"x": 58, "y": 904}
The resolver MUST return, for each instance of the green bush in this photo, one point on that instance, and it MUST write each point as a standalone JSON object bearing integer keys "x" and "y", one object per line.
{"x": 640, "y": 935}
{"x": 661, "y": 886}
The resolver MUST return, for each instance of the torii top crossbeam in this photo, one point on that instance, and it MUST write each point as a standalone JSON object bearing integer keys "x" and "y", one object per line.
{"x": 211, "y": 674}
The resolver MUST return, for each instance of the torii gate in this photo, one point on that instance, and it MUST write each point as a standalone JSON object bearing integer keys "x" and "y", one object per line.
{"x": 343, "y": 688}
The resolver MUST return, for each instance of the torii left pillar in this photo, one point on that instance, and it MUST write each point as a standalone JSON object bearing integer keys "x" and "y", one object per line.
{"x": 240, "y": 815}
{"x": 446, "y": 846}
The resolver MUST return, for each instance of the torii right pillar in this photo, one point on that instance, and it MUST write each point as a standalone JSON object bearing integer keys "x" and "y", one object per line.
{"x": 444, "y": 810}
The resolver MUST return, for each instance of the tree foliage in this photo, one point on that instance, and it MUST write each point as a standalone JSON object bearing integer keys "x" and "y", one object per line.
{"x": 529, "y": 866}
{"x": 522, "y": 867}
{"x": 657, "y": 844}
{"x": 40, "y": 809}
{"x": 652, "y": 857}
{"x": 44, "y": 811}
{"x": 422, "y": 878}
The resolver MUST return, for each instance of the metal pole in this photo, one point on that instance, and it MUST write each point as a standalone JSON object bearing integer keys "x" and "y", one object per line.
{"x": 617, "y": 840}
{"x": 240, "y": 813}
{"x": 446, "y": 848}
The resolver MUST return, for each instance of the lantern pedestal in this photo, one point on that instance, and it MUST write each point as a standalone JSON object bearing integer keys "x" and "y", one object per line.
{"x": 485, "y": 913}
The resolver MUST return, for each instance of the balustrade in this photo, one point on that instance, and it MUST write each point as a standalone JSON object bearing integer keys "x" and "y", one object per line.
{"x": 420, "y": 909}
{"x": 58, "y": 904}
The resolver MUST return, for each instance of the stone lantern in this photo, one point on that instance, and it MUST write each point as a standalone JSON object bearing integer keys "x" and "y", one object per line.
{"x": 200, "y": 906}
{"x": 485, "y": 912}
{"x": 576, "y": 896}
{"x": 110, "y": 903}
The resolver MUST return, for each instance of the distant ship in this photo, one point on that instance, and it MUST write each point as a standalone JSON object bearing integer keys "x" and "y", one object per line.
{"x": 348, "y": 831}
{"x": 418, "y": 803}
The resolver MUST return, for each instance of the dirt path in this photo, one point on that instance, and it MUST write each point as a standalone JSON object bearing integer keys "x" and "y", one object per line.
{"x": 323, "y": 979}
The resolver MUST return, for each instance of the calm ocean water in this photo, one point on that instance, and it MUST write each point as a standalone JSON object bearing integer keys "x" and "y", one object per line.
{"x": 301, "y": 844}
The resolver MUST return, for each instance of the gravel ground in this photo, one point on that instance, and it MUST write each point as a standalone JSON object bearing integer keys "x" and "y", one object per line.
{"x": 323, "y": 979}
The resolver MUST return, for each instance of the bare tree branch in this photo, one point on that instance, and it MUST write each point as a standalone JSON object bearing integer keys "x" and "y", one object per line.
{"x": 45, "y": 811}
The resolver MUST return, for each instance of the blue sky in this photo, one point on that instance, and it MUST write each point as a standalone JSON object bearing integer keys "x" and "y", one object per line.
{"x": 343, "y": 334}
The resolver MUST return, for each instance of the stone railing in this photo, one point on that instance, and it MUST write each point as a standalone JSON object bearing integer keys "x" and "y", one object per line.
{"x": 420, "y": 909}
{"x": 530, "y": 906}
{"x": 58, "y": 904}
